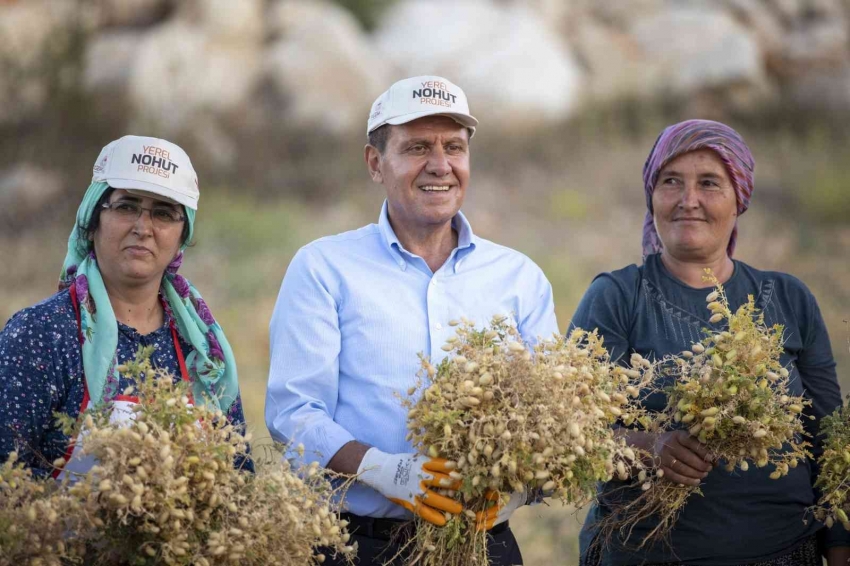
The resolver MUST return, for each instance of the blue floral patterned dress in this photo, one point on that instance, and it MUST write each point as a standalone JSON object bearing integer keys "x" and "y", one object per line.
{"x": 41, "y": 373}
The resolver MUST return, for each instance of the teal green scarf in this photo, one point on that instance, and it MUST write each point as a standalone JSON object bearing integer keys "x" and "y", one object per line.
{"x": 211, "y": 365}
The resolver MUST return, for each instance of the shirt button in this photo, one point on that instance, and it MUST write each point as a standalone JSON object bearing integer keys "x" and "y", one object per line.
{"x": 433, "y": 281}
{"x": 438, "y": 326}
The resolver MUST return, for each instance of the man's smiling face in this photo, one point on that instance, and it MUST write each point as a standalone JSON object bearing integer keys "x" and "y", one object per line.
{"x": 425, "y": 170}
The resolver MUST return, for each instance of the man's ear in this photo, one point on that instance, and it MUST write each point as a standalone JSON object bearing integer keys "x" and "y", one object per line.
{"x": 373, "y": 162}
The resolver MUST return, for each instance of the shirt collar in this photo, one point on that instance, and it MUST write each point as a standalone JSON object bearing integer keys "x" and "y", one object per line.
{"x": 466, "y": 239}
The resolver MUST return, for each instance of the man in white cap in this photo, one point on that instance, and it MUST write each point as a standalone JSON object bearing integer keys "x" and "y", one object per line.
{"x": 355, "y": 309}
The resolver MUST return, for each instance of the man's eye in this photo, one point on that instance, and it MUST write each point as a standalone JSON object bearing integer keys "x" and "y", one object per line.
{"x": 125, "y": 207}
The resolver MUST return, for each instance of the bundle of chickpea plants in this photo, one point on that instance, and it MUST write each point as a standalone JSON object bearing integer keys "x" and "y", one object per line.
{"x": 34, "y": 518}
{"x": 834, "y": 477}
{"x": 730, "y": 392}
{"x": 511, "y": 419}
{"x": 834, "y": 465}
{"x": 167, "y": 489}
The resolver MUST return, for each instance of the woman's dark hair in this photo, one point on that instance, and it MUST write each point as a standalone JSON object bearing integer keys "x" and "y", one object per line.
{"x": 86, "y": 233}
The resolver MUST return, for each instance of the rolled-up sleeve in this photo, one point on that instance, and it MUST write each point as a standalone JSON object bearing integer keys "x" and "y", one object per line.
{"x": 304, "y": 372}
{"x": 540, "y": 321}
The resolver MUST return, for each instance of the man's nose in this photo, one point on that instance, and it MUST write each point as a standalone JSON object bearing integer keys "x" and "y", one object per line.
{"x": 438, "y": 163}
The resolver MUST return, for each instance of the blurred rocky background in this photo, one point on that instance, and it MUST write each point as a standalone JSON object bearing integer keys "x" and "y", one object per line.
{"x": 270, "y": 99}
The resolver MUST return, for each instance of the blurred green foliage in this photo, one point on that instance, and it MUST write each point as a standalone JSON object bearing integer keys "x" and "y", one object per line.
{"x": 828, "y": 197}
{"x": 823, "y": 180}
{"x": 569, "y": 204}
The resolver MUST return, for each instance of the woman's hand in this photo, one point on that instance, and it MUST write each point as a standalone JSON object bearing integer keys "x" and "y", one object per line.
{"x": 684, "y": 459}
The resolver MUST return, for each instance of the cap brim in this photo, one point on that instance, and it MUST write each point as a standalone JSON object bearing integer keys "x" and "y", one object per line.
{"x": 140, "y": 193}
{"x": 462, "y": 119}
{"x": 134, "y": 184}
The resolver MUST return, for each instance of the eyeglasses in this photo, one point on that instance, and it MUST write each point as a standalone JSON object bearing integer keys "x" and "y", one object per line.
{"x": 131, "y": 211}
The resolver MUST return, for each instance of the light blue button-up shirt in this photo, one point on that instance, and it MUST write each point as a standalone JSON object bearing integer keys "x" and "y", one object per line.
{"x": 354, "y": 311}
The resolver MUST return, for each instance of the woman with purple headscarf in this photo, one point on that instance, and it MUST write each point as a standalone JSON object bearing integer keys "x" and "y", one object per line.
{"x": 698, "y": 180}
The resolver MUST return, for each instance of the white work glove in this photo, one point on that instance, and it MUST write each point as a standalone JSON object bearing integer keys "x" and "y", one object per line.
{"x": 404, "y": 479}
{"x": 501, "y": 510}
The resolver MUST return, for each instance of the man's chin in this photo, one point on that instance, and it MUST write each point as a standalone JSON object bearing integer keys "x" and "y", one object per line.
{"x": 440, "y": 217}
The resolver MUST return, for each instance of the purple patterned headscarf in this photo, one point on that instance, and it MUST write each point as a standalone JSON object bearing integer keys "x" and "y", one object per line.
{"x": 688, "y": 136}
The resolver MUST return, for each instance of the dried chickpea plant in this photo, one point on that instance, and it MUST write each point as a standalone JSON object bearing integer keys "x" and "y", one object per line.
{"x": 834, "y": 477}
{"x": 35, "y": 519}
{"x": 166, "y": 490}
{"x": 511, "y": 419}
{"x": 730, "y": 392}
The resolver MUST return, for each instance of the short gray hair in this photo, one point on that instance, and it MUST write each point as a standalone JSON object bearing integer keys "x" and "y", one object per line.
{"x": 379, "y": 137}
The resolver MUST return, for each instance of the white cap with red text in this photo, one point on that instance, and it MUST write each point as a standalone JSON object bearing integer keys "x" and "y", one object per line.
{"x": 416, "y": 97}
{"x": 152, "y": 165}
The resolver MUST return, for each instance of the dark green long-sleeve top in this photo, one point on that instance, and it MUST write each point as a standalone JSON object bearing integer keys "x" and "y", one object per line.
{"x": 743, "y": 516}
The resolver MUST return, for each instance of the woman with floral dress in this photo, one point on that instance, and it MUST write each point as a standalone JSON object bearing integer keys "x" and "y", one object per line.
{"x": 119, "y": 292}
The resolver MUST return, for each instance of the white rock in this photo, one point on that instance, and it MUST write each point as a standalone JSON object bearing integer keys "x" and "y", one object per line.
{"x": 697, "y": 47}
{"x": 616, "y": 66}
{"x": 24, "y": 28}
{"x": 324, "y": 66}
{"x": 514, "y": 69}
{"x": 788, "y": 10}
{"x": 816, "y": 43}
{"x": 793, "y": 12}
{"x": 231, "y": 21}
{"x": 764, "y": 22}
{"x": 817, "y": 38}
{"x": 304, "y": 17}
{"x": 620, "y": 14}
{"x": 795, "y": 35}
{"x": 179, "y": 71}
{"x": 108, "y": 60}
{"x": 557, "y": 14}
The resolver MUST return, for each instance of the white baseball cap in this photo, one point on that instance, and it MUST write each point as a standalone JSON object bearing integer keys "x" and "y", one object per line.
{"x": 413, "y": 98}
{"x": 152, "y": 165}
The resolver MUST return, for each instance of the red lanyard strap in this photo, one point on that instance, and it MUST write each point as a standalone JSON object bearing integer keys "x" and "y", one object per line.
{"x": 184, "y": 372}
